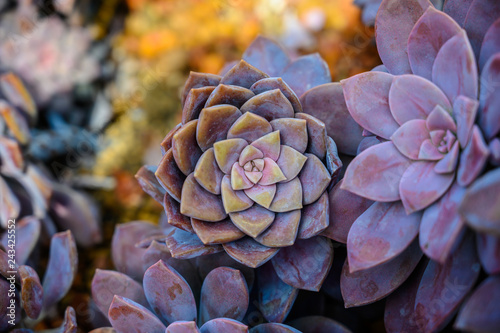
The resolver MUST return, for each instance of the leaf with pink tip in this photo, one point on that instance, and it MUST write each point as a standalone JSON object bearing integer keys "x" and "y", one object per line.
{"x": 293, "y": 133}
{"x": 449, "y": 162}
{"x": 224, "y": 294}
{"x": 199, "y": 203}
{"x": 61, "y": 269}
{"x": 273, "y": 83}
{"x": 269, "y": 105}
{"x": 227, "y": 153}
{"x": 126, "y": 315}
{"x": 31, "y": 291}
{"x": 207, "y": 172}
{"x": 455, "y": 69}
{"x": 464, "y": 111}
{"x": 271, "y": 174}
{"x": 442, "y": 227}
{"x": 488, "y": 249}
{"x": 243, "y": 75}
{"x": 315, "y": 218}
{"x": 185, "y": 245}
{"x": 262, "y": 194}
{"x": 394, "y": 23}
{"x": 253, "y": 221}
{"x": 290, "y": 162}
{"x": 227, "y": 94}
{"x": 457, "y": 9}
{"x": 106, "y": 284}
{"x": 174, "y": 216}
{"x": 168, "y": 293}
{"x": 223, "y": 325}
{"x": 473, "y": 158}
{"x": 380, "y": 234}
{"x": 213, "y": 124}
{"x": 27, "y": 236}
{"x": 491, "y": 44}
{"x": 313, "y": 324}
{"x": 489, "y": 99}
{"x": 373, "y": 284}
{"x": 267, "y": 56}
{"x": 428, "y": 151}
{"x": 283, "y": 230}
{"x": 269, "y": 144}
{"x": 296, "y": 267}
{"x": 481, "y": 15}
{"x": 250, "y": 253}
{"x": 306, "y": 72}
{"x": 375, "y": 174}
{"x": 273, "y": 328}
{"x": 421, "y": 186}
{"x": 480, "y": 312}
{"x": 126, "y": 256}
{"x": 367, "y": 99}
{"x": 216, "y": 233}
{"x": 440, "y": 120}
{"x": 182, "y": 327}
{"x": 288, "y": 196}
{"x": 427, "y": 37}
{"x": 410, "y": 136}
{"x": 316, "y": 132}
{"x": 170, "y": 176}
{"x": 233, "y": 201}
{"x": 194, "y": 103}
{"x": 314, "y": 178}
{"x": 326, "y": 103}
{"x": 249, "y": 127}
{"x": 149, "y": 183}
{"x": 199, "y": 80}
{"x": 479, "y": 206}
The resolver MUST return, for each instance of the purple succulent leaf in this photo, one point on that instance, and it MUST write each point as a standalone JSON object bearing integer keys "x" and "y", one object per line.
{"x": 185, "y": 147}
{"x": 69, "y": 324}
{"x": 306, "y": 72}
{"x": 126, "y": 315}
{"x": 464, "y": 112}
{"x": 372, "y": 284}
{"x": 224, "y": 294}
{"x": 455, "y": 69}
{"x": 480, "y": 312}
{"x": 449, "y": 162}
{"x": 494, "y": 147}
{"x": 223, "y": 325}
{"x": 195, "y": 101}
{"x": 380, "y": 234}
{"x": 149, "y": 183}
{"x": 270, "y": 105}
{"x": 326, "y": 102}
{"x": 413, "y": 97}
{"x": 442, "y": 227}
{"x": 481, "y": 15}
{"x": 283, "y": 230}
{"x": 213, "y": 124}
{"x": 126, "y": 256}
{"x": 367, "y": 99}
{"x": 250, "y": 253}
{"x": 491, "y": 44}
{"x": 489, "y": 99}
{"x": 344, "y": 208}
{"x": 206, "y": 264}
{"x": 440, "y": 120}
{"x": 410, "y": 136}
{"x": 473, "y": 158}
{"x": 313, "y": 324}
{"x": 488, "y": 249}
{"x": 428, "y": 300}
{"x": 368, "y": 142}
{"x": 185, "y": 245}
{"x": 276, "y": 298}
{"x": 480, "y": 202}
{"x": 267, "y": 56}
{"x": 393, "y": 25}
{"x": 199, "y": 80}
{"x": 254, "y": 220}
{"x": 429, "y": 152}
{"x": 27, "y": 234}
{"x": 314, "y": 178}
{"x": 273, "y": 328}
{"x": 169, "y": 176}
{"x": 457, "y": 9}
{"x": 421, "y": 185}
{"x": 31, "y": 291}
{"x": 106, "y": 284}
{"x": 166, "y": 143}
{"x": 61, "y": 269}
{"x": 228, "y": 94}
{"x": 273, "y": 83}
{"x": 243, "y": 75}
{"x": 198, "y": 203}
{"x": 429, "y": 34}
{"x": 174, "y": 216}
{"x": 182, "y": 327}
{"x": 375, "y": 174}
{"x": 293, "y": 133}
{"x": 221, "y": 232}
{"x": 298, "y": 268}
{"x": 317, "y": 137}
{"x": 315, "y": 218}
{"x": 168, "y": 293}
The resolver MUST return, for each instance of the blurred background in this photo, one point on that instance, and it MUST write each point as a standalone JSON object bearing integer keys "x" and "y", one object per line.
{"x": 106, "y": 78}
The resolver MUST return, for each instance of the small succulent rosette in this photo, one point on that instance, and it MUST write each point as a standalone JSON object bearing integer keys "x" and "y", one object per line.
{"x": 431, "y": 118}
{"x": 249, "y": 168}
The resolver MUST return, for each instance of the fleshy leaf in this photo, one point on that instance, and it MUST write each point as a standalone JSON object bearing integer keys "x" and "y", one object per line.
{"x": 376, "y": 173}
{"x": 294, "y": 267}
{"x": 199, "y": 80}
{"x": 293, "y": 133}
{"x": 182, "y": 327}
{"x": 31, "y": 291}
{"x": 271, "y": 174}
{"x": 185, "y": 148}
{"x": 481, "y": 15}
{"x": 410, "y": 136}
{"x": 174, "y": 216}
{"x": 195, "y": 101}
{"x": 269, "y": 105}
{"x": 283, "y": 230}
{"x": 185, "y": 245}
{"x": 314, "y": 178}
{"x": 248, "y": 154}
{"x": 367, "y": 98}
{"x": 232, "y": 95}
{"x": 277, "y": 83}
{"x": 233, "y": 201}
{"x": 216, "y": 233}
{"x": 224, "y": 294}
{"x": 316, "y": 132}
{"x": 239, "y": 180}
{"x": 27, "y": 236}
{"x": 227, "y": 152}
{"x": 199, "y": 203}
{"x": 288, "y": 196}
{"x": 473, "y": 158}
{"x": 380, "y": 234}
{"x": 168, "y": 293}
{"x": 449, "y": 162}
{"x": 223, "y": 325}
{"x": 149, "y": 183}
{"x": 169, "y": 175}
{"x": 464, "y": 111}
{"x": 207, "y": 172}
{"x": 440, "y": 120}
{"x": 253, "y": 221}
{"x": 267, "y": 56}
{"x": 315, "y": 218}
{"x": 306, "y": 72}
{"x": 126, "y": 315}
{"x": 213, "y": 124}
{"x": 166, "y": 143}
{"x": 290, "y": 162}
{"x": 457, "y": 9}
{"x": 489, "y": 99}
{"x": 262, "y": 194}
{"x": 249, "y": 252}
{"x": 243, "y": 75}
{"x": 269, "y": 144}
{"x": 491, "y": 44}
{"x": 488, "y": 249}
{"x": 249, "y": 127}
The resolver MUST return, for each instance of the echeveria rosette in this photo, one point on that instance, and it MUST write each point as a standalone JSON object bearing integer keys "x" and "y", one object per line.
{"x": 247, "y": 171}
{"x": 422, "y": 106}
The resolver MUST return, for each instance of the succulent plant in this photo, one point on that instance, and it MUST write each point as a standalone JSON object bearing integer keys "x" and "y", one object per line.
{"x": 423, "y": 149}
